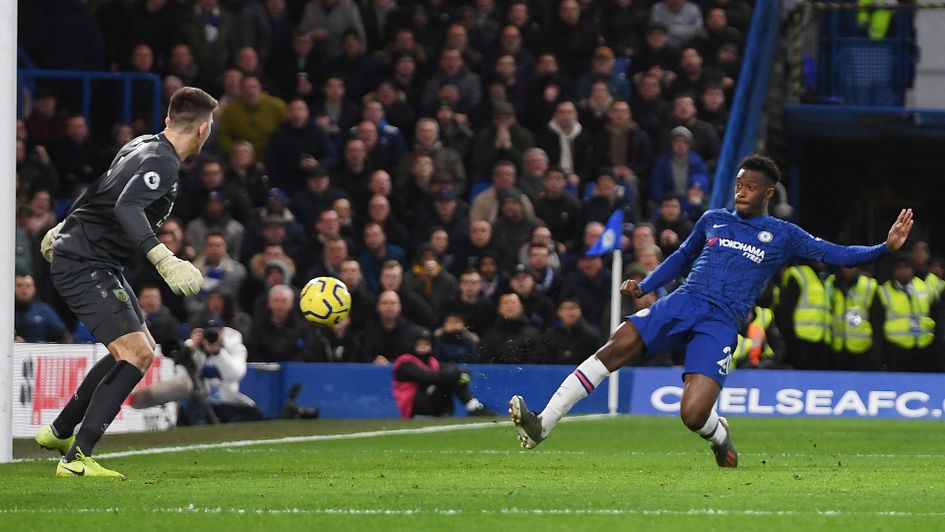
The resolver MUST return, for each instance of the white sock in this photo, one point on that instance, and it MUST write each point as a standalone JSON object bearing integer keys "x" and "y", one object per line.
{"x": 473, "y": 404}
{"x": 713, "y": 430}
{"x": 578, "y": 385}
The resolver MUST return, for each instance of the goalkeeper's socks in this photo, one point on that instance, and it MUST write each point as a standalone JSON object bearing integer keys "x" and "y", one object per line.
{"x": 64, "y": 425}
{"x": 578, "y": 385}
{"x": 105, "y": 404}
{"x": 713, "y": 430}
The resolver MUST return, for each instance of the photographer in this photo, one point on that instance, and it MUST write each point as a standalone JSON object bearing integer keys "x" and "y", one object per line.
{"x": 214, "y": 358}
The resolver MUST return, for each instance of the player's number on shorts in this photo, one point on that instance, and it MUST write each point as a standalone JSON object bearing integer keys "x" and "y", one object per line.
{"x": 726, "y": 363}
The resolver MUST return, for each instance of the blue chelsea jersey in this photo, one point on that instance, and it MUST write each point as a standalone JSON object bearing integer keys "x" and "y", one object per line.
{"x": 733, "y": 258}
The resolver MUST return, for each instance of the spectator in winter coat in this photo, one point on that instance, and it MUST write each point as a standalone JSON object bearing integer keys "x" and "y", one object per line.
{"x": 571, "y": 339}
{"x": 511, "y": 339}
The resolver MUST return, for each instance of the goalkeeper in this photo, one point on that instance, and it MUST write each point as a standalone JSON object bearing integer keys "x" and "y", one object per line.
{"x": 115, "y": 217}
{"x": 425, "y": 387}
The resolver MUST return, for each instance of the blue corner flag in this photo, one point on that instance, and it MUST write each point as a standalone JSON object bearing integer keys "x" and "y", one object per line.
{"x": 610, "y": 238}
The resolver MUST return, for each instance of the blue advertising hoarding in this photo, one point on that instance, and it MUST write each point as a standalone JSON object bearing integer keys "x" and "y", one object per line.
{"x": 656, "y": 391}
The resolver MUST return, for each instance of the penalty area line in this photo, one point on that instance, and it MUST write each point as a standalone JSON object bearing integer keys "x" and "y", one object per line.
{"x": 319, "y": 437}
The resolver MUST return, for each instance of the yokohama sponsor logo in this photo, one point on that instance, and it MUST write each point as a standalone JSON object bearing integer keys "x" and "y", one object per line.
{"x": 753, "y": 253}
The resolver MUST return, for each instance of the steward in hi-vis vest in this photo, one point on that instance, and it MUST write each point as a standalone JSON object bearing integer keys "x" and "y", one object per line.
{"x": 759, "y": 343}
{"x": 908, "y": 307}
{"x": 802, "y": 317}
{"x": 852, "y": 336}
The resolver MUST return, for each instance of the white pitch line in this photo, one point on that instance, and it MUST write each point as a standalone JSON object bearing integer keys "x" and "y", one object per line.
{"x": 713, "y": 512}
{"x": 318, "y": 437}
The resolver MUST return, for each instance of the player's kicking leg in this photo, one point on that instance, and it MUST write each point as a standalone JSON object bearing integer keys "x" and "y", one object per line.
{"x": 135, "y": 353}
{"x": 698, "y": 413}
{"x": 624, "y": 346}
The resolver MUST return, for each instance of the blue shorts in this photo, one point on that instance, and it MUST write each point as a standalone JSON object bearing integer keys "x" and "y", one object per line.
{"x": 680, "y": 318}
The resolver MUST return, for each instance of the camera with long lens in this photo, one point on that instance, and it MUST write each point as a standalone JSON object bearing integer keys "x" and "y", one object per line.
{"x": 211, "y": 335}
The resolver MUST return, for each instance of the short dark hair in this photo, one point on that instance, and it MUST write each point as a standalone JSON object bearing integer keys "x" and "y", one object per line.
{"x": 189, "y": 105}
{"x": 760, "y": 163}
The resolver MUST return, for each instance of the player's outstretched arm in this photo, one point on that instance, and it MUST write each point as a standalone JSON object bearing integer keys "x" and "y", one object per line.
{"x": 808, "y": 247}
{"x": 899, "y": 231}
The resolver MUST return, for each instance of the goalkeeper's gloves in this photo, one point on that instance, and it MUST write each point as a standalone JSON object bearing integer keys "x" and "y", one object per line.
{"x": 45, "y": 247}
{"x": 183, "y": 277}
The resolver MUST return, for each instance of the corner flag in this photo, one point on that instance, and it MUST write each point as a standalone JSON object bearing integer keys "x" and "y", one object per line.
{"x": 610, "y": 238}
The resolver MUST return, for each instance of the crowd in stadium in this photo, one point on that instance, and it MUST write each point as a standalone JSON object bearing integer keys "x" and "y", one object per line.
{"x": 451, "y": 162}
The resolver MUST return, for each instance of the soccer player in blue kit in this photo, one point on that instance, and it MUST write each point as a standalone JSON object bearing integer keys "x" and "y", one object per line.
{"x": 733, "y": 254}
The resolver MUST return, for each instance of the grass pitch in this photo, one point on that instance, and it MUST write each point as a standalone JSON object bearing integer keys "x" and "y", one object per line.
{"x": 591, "y": 474}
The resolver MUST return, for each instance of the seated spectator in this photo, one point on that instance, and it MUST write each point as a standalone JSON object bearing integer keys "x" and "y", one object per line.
{"x": 565, "y": 141}
{"x": 487, "y": 204}
{"x": 35, "y": 321}
{"x": 671, "y": 225}
{"x": 609, "y": 195}
{"x": 181, "y": 65}
{"x": 41, "y": 217}
{"x": 345, "y": 211}
{"x": 539, "y": 308}
{"x": 75, "y": 155}
{"x": 649, "y": 109}
{"x": 504, "y": 141}
{"x": 573, "y": 36}
{"x": 335, "y": 113}
{"x": 35, "y": 169}
{"x": 377, "y": 251}
{"x": 253, "y": 117}
{"x": 425, "y": 387}
{"x": 694, "y": 76}
{"x": 221, "y": 273}
{"x": 397, "y": 111}
{"x": 223, "y": 307}
{"x": 297, "y": 148}
{"x": 625, "y": 146}
{"x": 280, "y": 334}
{"x": 379, "y": 211}
{"x": 675, "y": 172}
{"x": 328, "y": 262}
{"x": 379, "y": 154}
{"x": 363, "y": 300}
{"x": 389, "y": 137}
{"x": 296, "y": 69}
{"x": 548, "y": 279}
{"x": 362, "y": 72}
{"x": 452, "y": 70}
{"x": 429, "y": 279}
{"x": 328, "y": 21}
{"x": 545, "y": 90}
{"x": 602, "y": 68}
{"x": 405, "y": 75}
{"x": 46, "y": 123}
{"x": 454, "y": 131}
{"x": 388, "y": 334}
{"x": 439, "y": 241}
{"x": 592, "y": 111}
{"x": 414, "y": 305}
{"x": 590, "y": 284}
{"x": 216, "y": 219}
{"x": 355, "y": 171}
{"x": 267, "y": 269}
{"x": 212, "y": 179}
{"x": 247, "y": 174}
{"x": 511, "y": 339}
{"x": 534, "y": 165}
{"x": 316, "y": 197}
{"x": 695, "y": 204}
{"x": 682, "y": 19}
{"x": 714, "y": 110}
{"x": 273, "y": 224}
{"x": 571, "y": 339}
{"x": 448, "y": 213}
{"x": 716, "y": 33}
{"x": 470, "y": 304}
{"x": 447, "y": 161}
{"x": 705, "y": 139}
{"x": 513, "y": 228}
{"x": 491, "y": 275}
{"x": 559, "y": 209}
{"x": 161, "y": 324}
{"x": 344, "y": 341}
{"x": 453, "y": 342}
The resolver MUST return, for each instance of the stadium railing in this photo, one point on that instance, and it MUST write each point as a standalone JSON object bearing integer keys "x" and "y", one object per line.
{"x": 741, "y": 133}
{"x": 27, "y": 77}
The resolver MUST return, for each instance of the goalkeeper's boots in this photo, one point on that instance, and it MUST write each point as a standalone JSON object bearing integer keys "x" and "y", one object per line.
{"x": 527, "y": 423}
{"x": 48, "y": 440}
{"x": 725, "y": 453}
{"x": 85, "y": 466}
